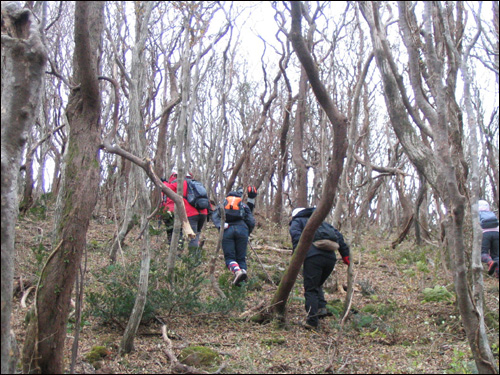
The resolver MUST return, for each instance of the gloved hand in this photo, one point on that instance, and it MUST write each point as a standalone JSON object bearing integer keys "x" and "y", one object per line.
{"x": 252, "y": 192}
{"x": 346, "y": 260}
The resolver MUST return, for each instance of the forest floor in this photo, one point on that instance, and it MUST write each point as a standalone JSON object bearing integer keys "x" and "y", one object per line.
{"x": 391, "y": 327}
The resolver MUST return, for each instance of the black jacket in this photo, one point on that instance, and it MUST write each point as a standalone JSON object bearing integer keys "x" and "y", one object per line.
{"x": 297, "y": 225}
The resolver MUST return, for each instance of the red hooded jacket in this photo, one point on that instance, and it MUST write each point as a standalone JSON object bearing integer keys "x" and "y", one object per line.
{"x": 169, "y": 203}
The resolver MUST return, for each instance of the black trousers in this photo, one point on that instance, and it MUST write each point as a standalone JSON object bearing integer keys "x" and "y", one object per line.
{"x": 316, "y": 270}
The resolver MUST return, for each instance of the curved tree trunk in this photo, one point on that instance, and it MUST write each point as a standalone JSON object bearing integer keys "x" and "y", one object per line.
{"x": 23, "y": 65}
{"x": 44, "y": 345}
{"x": 339, "y": 123}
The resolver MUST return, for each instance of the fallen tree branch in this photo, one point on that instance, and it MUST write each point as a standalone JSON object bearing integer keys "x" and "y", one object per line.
{"x": 273, "y": 249}
{"x": 265, "y": 271}
{"x": 176, "y": 365}
{"x": 252, "y": 309}
{"x": 25, "y": 295}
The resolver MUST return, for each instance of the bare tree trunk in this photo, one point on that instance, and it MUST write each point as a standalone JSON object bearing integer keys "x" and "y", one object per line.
{"x": 408, "y": 215}
{"x": 283, "y": 156}
{"x": 481, "y": 339}
{"x": 23, "y": 65}
{"x": 438, "y": 165}
{"x": 298, "y": 143}
{"x": 44, "y": 345}
{"x": 418, "y": 204}
{"x": 139, "y": 192}
{"x": 161, "y": 145}
{"x": 137, "y": 79}
{"x": 339, "y": 123}
{"x": 353, "y": 135}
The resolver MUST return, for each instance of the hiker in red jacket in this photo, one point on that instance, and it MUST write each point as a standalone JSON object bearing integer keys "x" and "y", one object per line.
{"x": 197, "y": 217}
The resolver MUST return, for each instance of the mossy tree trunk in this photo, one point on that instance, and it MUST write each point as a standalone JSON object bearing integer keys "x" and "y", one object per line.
{"x": 23, "y": 65}
{"x": 44, "y": 346}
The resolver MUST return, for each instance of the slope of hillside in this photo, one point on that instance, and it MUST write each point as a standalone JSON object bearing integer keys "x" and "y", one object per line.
{"x": 393, "y": 327}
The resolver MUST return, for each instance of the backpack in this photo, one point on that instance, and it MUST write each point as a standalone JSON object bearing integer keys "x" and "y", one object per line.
{"x": 325, "y": 232}
{"x": 488, "y": 219}
{"x": 234, "y": 209}
{"x": 196, "y": 194}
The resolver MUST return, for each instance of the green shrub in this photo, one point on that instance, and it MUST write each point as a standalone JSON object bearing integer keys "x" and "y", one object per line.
{"x": 116, "y": 301}
{"x": 460, "y": 364}
{"x": 179, "y": 293}
{"x": 381, "y": 309}
{"x": 361, "y": 321}
{"x": 274, "y": 340}
{"x": 336, "y": 307}
{"x": 412, "y": 256}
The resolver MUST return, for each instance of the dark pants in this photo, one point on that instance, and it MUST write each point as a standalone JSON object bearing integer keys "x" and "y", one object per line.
{"x": 316, "y": 270}
{"x": 489, "y": 248}
{"x": 234, "y": 245}
{"x": 197, "y": 223}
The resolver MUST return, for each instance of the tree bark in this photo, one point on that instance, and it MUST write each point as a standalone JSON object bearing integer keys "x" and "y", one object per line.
{"x": 138, "y": 191}
{"x": 339, "y": 124}
{"x": 136, "y": 135}
{"x": 438, "y": 165}
{"x": 44, "y": 346}
{"x": 298, "y": 143}
{"x": 23, "y": 64}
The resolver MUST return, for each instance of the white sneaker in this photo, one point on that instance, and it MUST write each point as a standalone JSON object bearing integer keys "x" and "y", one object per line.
{"x": 239, "y": 277}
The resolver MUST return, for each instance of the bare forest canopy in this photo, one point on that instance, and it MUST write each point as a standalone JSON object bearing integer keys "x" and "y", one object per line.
{"x": 234, "y": 51}
{"x": 384, "y": 115}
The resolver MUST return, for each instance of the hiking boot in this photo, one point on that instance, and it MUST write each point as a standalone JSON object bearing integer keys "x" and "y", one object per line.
{"x": 239, "y": 277}
{"x": 492, "y": 266}
{"x": 323, "y": 313}
{"x": 309, "y": 326}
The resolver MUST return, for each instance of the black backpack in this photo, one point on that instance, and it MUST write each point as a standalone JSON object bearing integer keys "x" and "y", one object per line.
{"x": 488, "y": 219}
{"x": 325, "y": 232}
{"x": 196, "y": 194}
{"x": 233, "y": 206}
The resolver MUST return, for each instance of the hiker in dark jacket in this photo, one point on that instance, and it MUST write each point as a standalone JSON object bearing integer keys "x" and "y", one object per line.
{"x": 240, "y": 222}
{"x": 489, "y": 245}
{"x": 318, "y": 265}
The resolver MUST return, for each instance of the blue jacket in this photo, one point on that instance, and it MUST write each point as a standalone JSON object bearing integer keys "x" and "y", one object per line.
{"x": 248, "y": 220}
{"x": 297, "y": 225}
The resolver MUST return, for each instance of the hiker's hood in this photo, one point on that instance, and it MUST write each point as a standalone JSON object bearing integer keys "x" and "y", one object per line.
{"x": 237, "y": 193}
{"x": 302, "y": 212}
{"x": 483, "y": 206}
